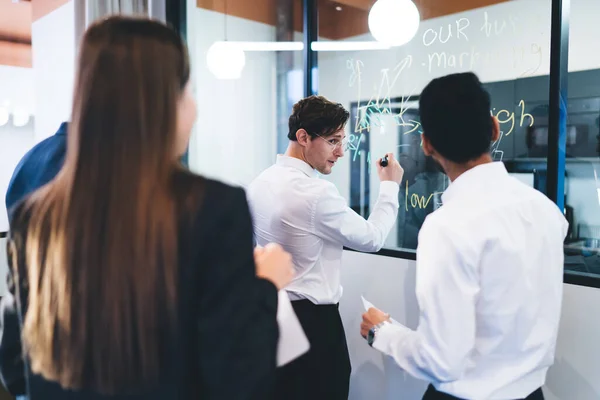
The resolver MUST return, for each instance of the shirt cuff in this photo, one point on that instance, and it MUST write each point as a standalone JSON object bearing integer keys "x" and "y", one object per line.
{"x": 269, "y": 294}
{"x": 389, "y": 334}
{"x": 389, "y": 187}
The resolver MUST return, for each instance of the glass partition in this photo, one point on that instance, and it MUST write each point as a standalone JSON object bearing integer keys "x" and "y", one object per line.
{"x": 248, "y": 72}
{"x": 506, "y": 44}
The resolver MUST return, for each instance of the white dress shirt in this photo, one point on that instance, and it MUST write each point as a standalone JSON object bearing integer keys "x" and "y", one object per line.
{"x": 309, "y": 218}
{"x": 489, "y": 286}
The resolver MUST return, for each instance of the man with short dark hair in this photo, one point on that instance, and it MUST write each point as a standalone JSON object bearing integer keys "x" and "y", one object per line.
{"x": 312, "y": 221}
{"x": 489, "y": 264}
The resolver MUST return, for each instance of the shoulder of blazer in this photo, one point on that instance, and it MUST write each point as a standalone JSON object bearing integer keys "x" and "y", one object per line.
{"x": 204, "y": 202}
{"x": 193, "y": 188}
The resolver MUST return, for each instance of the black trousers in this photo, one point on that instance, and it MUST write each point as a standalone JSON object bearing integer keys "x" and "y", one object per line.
{"x": 323, "y": 373}
{"x": 433, "y": 394}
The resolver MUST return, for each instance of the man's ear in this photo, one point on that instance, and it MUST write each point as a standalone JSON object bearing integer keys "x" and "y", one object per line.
{"x": 302, "y": 137}
{"x": 427, "y": 148}
{"x": 495, "y": 129}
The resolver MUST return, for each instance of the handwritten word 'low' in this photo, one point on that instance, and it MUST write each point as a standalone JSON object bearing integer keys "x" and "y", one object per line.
{"x": 419, "y": 201}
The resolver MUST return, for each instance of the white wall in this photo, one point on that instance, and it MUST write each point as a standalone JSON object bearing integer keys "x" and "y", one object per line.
{"x": 14, "y": 143}
{"x": 577, "y": 365}
{"x": 235, "y": 135}
{"x": 584, "y": 49}
{"x": 16, "y": 93}
{"x": 389, "y": 284}
{"x": 54, "y": 49}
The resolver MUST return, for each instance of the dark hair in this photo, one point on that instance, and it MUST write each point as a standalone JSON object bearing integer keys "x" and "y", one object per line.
{"x": 317, "y": 116}
{"x": 455, "y": 115}
{"x": 100, "y": 268}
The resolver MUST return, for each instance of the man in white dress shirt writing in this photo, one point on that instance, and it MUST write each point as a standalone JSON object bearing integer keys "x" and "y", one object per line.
{"x": 489, "y": 264}
{"x": 312, "y": 221}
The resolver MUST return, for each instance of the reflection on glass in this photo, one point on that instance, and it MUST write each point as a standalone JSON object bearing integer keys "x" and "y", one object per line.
{"x": 507, "y": 45}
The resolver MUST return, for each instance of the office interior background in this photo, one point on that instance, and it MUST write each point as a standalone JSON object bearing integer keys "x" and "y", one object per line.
{"x": 252, "y": 60}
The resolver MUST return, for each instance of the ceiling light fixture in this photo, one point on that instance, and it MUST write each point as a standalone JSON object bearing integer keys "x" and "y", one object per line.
{"x": 20, "y": 118}
{"x": 394, "y": 22}
{"x": 348, "y": 46}
{"x": 269, "y": 46}
{"x": 224, "y": 60}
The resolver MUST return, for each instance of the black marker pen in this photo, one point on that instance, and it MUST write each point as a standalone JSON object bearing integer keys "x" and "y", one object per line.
{"x": 384, "y": 161}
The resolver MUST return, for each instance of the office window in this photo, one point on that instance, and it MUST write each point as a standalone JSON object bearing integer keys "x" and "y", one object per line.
{"x": 245, "y": 92}
{"x": 506, "y": 43}
{"x": 582, "y": 171}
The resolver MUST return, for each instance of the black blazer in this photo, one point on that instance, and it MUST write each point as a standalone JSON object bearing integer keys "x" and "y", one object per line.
{"x": 227, "y": 335}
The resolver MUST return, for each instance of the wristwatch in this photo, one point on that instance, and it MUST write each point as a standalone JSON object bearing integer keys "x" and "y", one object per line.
{"x": 373, "y": 332}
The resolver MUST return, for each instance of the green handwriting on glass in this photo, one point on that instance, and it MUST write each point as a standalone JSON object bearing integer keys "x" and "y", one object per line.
{"x": 370, "y": 115}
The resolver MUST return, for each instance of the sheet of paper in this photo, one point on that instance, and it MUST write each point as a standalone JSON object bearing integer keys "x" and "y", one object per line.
{"x": 367, "y": 304}
{"x": 292, "y": 340}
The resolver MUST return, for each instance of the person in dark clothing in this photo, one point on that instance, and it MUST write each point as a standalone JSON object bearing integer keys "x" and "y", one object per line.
{"x": 38, "y": 167}
{"x": 131, "y": 277}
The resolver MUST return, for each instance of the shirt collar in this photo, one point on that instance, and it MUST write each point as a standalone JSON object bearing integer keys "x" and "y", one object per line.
{"x": 63, "y": 129}
{"x": 298, "y": 164}
{"x": 484, "y": 173}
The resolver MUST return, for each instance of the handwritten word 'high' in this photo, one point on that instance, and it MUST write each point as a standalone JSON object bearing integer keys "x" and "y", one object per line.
{"x": 508, "y": 117}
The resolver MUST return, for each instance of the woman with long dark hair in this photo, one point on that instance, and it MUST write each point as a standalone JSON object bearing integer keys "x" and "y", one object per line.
{"x": 130, "y": 275}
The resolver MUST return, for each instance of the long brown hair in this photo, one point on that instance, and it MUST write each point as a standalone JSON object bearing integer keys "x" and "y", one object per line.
{"x": 101, "y": 248}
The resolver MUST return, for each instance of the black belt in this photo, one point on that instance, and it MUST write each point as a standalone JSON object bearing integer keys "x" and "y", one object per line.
{"x": 307, "y": 303}
{"x": 434, "y": 394}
